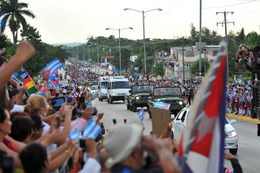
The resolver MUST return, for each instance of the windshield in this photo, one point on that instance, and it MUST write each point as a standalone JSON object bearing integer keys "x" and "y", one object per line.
{"x": 104, "y": 85}
{"x": 142, "y": 89}
{"x": 120, "y": 84}
{"x": 167, "y": 91}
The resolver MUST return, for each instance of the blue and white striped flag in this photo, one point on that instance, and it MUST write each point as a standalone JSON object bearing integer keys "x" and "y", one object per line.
{"x": 162, "y": 105}
{"x": 74, "y": 135}
{"x": 24, "y": 75}
{"x": 92, "y": 130}
{"x": 141, "y": 114}
{"x": 54, "y": 66}
{"x": 17, "y": 80}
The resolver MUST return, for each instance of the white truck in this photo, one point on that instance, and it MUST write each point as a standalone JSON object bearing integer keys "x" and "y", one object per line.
{"x": 102, "y": 87}
{"x": 118, "y": 87}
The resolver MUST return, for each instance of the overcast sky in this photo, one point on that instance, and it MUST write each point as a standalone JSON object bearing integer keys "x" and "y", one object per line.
{"x": 67, "y": 21}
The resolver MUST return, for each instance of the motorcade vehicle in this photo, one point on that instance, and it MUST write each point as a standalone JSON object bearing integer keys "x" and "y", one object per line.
{"x": 180, "y": 122}
{"x": 170, "y": 95}
{"x": 102, "y": 87}
{"x": 117, "y": 88}
{"x": 138, "y": 96}
{"x": 94, "y": 89}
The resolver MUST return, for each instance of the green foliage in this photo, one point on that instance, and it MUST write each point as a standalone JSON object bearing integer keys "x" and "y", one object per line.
{"x": 158, "y": 69}
{"x": 252, "y": 39}
{"x": 125, "y": 59}
{"x": 14, "y": 12}
{"x": 194, "y": 69}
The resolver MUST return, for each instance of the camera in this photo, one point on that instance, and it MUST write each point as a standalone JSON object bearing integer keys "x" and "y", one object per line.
{"x": 241, "y": 52}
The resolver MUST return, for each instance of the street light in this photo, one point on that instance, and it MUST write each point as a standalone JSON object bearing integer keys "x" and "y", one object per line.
{"x": 158, "y": 9}
{"x": 119, "y": 44}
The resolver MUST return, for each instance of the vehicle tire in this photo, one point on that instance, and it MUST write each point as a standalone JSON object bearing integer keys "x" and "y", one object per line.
{"x": 127, "y": 107}
{"x": 134, "y": 108}
{"x": 233, "y": 151}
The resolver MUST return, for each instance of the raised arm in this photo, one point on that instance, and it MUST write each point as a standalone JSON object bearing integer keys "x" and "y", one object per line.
{"x": 23, "y": 52}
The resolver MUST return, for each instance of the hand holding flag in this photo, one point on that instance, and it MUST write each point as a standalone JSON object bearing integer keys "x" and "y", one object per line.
{"x": 92, "y": 130}
{"x": 141, "y": 115}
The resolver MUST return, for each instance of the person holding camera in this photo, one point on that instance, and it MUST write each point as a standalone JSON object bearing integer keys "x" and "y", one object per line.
{"x": 243, "y": 53}
{"x": 254, "y": 60}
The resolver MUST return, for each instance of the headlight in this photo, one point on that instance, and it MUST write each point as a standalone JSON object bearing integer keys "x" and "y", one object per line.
{"x": 137, "y": 98}
{"x": 231, "y": 134}
{"x": 180, "y": 102}
{"x": 114, "y": 94}
{"x": 159, "y": 100}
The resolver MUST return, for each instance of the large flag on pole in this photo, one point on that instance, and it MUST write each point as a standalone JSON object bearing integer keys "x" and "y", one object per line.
{"x": 201, "y": 148}
{"x": 53, "y": 66}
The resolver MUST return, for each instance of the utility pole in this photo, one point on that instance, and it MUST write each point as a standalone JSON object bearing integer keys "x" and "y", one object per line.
{"x": 84, "y": 53}
{"x": 224, "y": 23}
{"x": 183, "y": 69}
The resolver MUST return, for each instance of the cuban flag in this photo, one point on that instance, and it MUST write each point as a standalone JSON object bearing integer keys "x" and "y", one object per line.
{"x": 162, "y": 105}
{"x": 92, "y": 130}
{"x": 141, "y": 114}
{"x": 43, "y": 90}
{"x": 74, "y": 135}
{"x": 24, "y": 75}
{"x": 54, "y": 83}
{"x": 64, "y": 90}
{"x": 53, "y": 66}
{"x": 201, "y": 148}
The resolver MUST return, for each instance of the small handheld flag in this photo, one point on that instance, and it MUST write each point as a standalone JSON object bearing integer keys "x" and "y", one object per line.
{"x": 92, "y": 130}
{"x": 74, "y": 135}
{"x": 141, "y": 114}
{"x": 162, "y": 105}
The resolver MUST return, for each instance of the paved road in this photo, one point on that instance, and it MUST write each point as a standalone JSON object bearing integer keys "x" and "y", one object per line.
{"x": 249, "y": 143}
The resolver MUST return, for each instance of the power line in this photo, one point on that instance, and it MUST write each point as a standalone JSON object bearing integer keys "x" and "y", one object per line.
{"x": 225, "y": 23}
{"x": 231, "y": 5}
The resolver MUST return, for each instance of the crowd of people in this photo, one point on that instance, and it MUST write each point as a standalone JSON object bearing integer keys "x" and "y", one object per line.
{"x": 36, "y": 137}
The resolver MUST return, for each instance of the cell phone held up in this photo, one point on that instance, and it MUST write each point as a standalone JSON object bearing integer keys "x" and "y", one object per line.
{"x": 82, "y": 144}
{"x": 57, "y": 103}
{"x": 57, "y": 126}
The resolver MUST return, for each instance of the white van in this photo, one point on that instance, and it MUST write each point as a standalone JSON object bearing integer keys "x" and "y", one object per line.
{"x": 118, "y": 87}
{"x": 102, "y": 87}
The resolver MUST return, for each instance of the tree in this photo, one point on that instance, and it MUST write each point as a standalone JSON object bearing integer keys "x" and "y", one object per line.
{"x": 14, "y": 12}
{"x": 193, "y": 33}
{"x": 158, "y": 69}
{"x": 194, "y": 69}
{"x": 125, "y": 59}
{"x": 241, "y": 36}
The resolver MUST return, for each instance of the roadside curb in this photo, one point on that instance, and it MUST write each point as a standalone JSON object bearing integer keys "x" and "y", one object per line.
{"x": 243, "y": 118}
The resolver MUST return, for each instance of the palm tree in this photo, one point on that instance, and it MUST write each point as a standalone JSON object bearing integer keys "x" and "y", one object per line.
{"x": 14, "y": 12}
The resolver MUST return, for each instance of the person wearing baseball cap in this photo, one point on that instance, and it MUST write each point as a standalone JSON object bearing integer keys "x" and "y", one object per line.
{"x": 126, "y": 145}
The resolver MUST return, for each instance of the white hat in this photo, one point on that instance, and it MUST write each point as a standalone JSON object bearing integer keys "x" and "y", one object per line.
{"x": 121, "y": 141}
